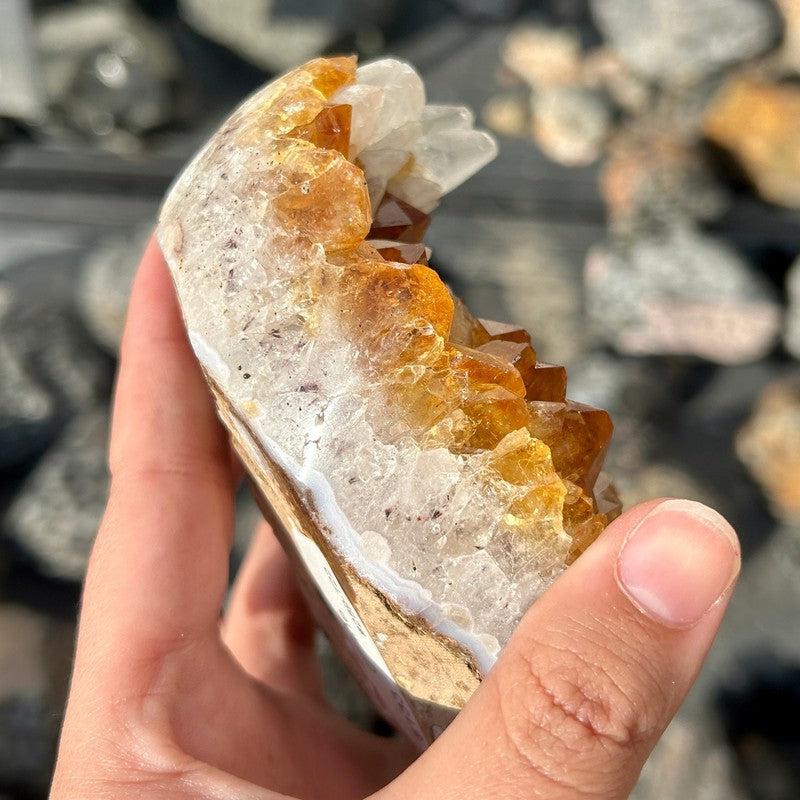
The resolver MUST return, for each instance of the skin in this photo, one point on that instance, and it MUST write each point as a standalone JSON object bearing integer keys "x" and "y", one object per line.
{"x": 168, "y": 700}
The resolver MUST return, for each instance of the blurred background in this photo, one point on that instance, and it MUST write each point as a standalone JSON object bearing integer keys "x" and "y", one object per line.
{"x": 642, "y": 220}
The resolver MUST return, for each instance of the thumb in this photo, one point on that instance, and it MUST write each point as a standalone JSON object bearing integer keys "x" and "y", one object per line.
{"x": 596, "y": 669}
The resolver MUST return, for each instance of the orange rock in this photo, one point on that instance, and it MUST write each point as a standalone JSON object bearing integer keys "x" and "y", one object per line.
{"x": 769, "y": 445}
{"x": 759, "y": 123}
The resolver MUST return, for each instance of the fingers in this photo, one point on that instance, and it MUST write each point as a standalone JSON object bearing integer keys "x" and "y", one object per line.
{"x": 159, "y": 569}
{"x": 596, "y": 669}
{"x": 267, "y": 626}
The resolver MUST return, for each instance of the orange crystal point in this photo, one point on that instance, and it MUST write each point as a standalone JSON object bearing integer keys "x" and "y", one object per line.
{"x": 519, "y": 355}
{"x": 547, "y": 382}
{"x": 466, "y": 328}
{"x": 325, "y": 199}
{"x": 486, "y": 368}
{"x": 597, "y": 424}
{"x": 328, "y": 75}
{"x": 497, "y": 411}
{"x": 398, "y": 221}
{"x": 523, "y": 461}
{"x": 330, "y": 129}
{"x": 402, "y": 252}
{"x": 581, "y": 519}
{"x": 578, "y": 436}
{"x": 606, "y": 498}
{"x": 396, "y": 300}
{"x": 505, "y": 331}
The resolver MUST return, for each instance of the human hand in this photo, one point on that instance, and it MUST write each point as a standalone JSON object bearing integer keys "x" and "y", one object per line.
{"x": 168, "y": 702}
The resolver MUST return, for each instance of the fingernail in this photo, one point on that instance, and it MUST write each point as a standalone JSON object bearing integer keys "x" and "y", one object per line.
{"x": 678, "y": 562}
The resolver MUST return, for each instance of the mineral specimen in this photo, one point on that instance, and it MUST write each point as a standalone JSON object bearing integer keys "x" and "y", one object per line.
{"x": 427, "y": 473}
{"x": 769, "y": 444}
{"x": 759, "y": 124}
{"x": 679, "y": 290}
{"x": 682, "y": 41}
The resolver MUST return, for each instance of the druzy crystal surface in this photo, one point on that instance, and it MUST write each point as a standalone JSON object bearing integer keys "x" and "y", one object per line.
{"x": 440, "y": 460}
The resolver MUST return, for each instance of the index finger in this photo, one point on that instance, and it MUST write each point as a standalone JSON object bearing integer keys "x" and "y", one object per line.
{"x": 158, "y": 572}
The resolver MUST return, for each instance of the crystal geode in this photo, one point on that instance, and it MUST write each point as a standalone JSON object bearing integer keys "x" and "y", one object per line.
{"x": 422, "y": 466}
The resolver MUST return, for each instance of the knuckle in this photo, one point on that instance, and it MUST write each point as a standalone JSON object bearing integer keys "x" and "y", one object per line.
{"x": 559, "y": 705}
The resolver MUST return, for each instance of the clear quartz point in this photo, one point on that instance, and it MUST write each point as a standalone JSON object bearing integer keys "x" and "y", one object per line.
{"x": 437, "y": 117}
{"x": 417, "y": 152}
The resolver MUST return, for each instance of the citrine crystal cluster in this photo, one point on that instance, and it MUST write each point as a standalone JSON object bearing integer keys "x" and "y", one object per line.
{"x": 456, "y": 381}
{"x": 440, "y": 461}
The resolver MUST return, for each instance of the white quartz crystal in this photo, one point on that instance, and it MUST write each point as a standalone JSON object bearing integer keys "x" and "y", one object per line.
{"x": 387, "y": 94}
{"x": 421, "y": 152}
{"x": 444, "y": 158}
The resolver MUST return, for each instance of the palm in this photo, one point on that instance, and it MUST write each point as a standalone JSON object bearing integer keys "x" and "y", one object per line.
{"x": 283, "y": 740}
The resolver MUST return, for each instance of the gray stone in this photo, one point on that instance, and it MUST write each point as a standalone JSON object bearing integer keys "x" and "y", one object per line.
{"x": 109, "y": 71}
{"x": 62, "y": 356}
{"x": 277, "y": 34}
{"x": 571, "y": 124}
{"x": 51, "y": 370}
{"x": 680, "y": 292}
{"x": 21, "y": 95}
{"x": 55, "y": 516}
{"x": 28, "y": 415}
{"x": 791, "y": 336}
{"x": 34, "y": 658}
{"x": 655, "y": 178}
{"x": 682, "y": 41}
{"x": 489, "y": 9}
{"x": 693, "y": 761}
{"x": 50, "y": 366}
{"x": 105, "y": 286}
